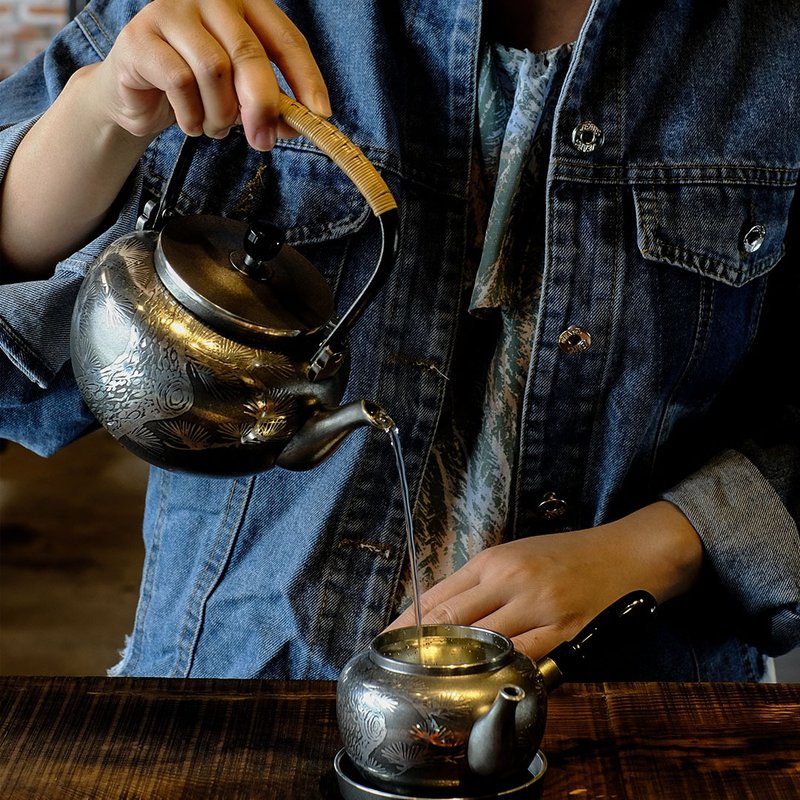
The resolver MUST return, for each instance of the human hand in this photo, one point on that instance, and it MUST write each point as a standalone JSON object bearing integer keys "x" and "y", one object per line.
{"x": 542, "y": 590}
{"x": 206, "y": 64}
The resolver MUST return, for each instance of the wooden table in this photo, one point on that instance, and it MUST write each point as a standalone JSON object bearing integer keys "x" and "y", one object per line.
{"x": 156, "y": 739}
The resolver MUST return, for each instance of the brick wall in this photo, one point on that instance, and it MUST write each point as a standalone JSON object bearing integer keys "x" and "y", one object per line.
{"x": 26, "y": 26}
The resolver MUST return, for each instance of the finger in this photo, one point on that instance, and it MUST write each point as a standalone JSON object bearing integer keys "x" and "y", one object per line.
{"x": 457, "y": 600}
{"x": 257, "y": 90}
{"x": 253, "y": 85}
{"x": 437, "y": 595}
{"x": 166, "y": 72}
{"x": 211, "y": 68}
{"x": 539, "y": 642}
{"x": 512, "y": 615}
{"x": 288, "y": 48}
{"x": 464, "y": 608}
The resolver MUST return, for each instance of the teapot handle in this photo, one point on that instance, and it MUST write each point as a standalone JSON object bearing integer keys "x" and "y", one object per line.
{"x": 346, "y": 155}
{"x": 349, "y": 158}
{"x": 352, "y": 161}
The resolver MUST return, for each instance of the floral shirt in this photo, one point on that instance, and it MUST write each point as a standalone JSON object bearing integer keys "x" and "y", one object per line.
{"x": 464, "y": 499}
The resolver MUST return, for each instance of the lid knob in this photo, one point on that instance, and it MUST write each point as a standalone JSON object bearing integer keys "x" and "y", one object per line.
{"x": 262, "y": 242}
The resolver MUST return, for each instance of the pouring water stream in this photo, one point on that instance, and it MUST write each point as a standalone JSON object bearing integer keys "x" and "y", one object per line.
{"x": 386, "y": 423}
{"x": 394, "y": 438}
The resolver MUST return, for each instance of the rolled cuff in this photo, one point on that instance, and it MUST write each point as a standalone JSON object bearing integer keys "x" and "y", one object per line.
{"x": 752, "y": 543}
{"x": 35, "y": 316}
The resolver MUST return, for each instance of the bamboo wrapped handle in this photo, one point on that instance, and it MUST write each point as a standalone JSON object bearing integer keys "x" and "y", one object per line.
{"x": 346, "y": 155}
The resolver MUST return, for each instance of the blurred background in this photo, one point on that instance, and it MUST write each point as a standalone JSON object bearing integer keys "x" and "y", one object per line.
{"x": 70, "y": 545}
{"x": 26, "y": 26}
{"x": 70, "y": 556}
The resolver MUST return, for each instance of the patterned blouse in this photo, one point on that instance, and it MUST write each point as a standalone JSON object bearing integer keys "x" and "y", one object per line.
{"x": 464, "y": 502}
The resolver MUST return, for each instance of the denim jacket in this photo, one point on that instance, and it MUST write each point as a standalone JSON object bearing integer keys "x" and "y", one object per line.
{"x": 663, "y": 359}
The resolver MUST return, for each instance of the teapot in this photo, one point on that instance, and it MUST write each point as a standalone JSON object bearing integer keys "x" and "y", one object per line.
{"x": 454, "y": 709}
{"x": 209, "y": 345}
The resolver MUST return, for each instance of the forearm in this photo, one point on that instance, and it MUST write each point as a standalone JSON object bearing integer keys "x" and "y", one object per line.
{"x": 63, "y": 179}
{"x": 202, "y": 64}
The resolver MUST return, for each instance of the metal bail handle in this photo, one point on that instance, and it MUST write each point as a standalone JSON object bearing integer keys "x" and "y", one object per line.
{"x": 352, "y": 161}
{"x": 158, "y": 212}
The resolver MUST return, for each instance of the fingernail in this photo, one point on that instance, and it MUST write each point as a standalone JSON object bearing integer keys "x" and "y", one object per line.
{"x": 222, "y": 134}
{"x": 263, "y": 139}
{"x": 322, "y": 105}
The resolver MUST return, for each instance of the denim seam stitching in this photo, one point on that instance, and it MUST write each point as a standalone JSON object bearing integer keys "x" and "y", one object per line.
{"x": 185, "y": 657}
{"x": 714, "y": 172}
{"x": 665, "y": 412}
{"x": 94, "y": 40}
{"x": 704, "y": 313}
{"x": 337, "y": 535}
{"x": 605, "y": 369}
{"x": 148, "y": 578}
{"x": 708, "y": 265}
{"x": 28, "y": 359}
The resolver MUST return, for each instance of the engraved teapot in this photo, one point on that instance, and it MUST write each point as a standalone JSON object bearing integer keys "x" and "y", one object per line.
{"x": 207, "y": 345}
{"x": 463, "y": 713}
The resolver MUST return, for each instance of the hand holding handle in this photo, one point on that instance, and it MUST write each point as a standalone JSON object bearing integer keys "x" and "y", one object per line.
{"x": 346, "y": 155}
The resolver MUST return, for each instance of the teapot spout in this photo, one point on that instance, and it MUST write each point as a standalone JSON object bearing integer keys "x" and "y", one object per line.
{"x": 491, "y": 740}
{"x": 326, "y": 429}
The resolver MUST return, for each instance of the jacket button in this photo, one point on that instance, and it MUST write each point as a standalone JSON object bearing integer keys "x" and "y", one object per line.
{"x": 552, "y": 507}
{"x": 575, "y": 340}
{"x": 754, "y": 238}
{"x": 587, "y": 136}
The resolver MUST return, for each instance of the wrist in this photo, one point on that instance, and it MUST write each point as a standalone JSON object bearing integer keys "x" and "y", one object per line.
{"x": 65, "y": 175}
{"x": 92, "y": 87}
{"x": 665, "y": 550}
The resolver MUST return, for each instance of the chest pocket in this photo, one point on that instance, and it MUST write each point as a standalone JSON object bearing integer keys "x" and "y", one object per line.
{"x": 732, "y": 233}
{"x": 295, "y": 187}
{"x": 309, "y": 196}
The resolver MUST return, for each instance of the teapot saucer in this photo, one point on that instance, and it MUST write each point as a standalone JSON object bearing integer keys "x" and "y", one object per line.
{"x": 352, "y": 787}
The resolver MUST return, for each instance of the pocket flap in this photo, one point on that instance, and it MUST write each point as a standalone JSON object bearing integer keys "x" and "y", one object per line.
{"x": 311, "y": 198}
{"x": 732, "y": 233}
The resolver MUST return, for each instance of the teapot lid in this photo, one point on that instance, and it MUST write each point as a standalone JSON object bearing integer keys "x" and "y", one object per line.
{"x": 241, "y": 279}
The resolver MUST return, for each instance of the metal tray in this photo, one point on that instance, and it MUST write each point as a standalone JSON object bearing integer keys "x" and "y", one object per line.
{"x": 351, "y": 786}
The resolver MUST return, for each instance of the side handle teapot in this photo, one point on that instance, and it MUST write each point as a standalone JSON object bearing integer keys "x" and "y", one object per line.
{"x": 455, "y": 710}
{"x": 208, "y": 345}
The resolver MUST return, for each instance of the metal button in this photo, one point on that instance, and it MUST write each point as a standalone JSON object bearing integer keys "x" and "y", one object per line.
{"x": 754, "y": 238}
{"x": 552, "y": 507}
{"x": 575, "y": 340}
{"x": 587, "y": 136}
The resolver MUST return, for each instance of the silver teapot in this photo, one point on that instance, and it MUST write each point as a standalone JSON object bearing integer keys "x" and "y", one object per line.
{"x": 449, "y": 709}
{"x": 209, "y": 345}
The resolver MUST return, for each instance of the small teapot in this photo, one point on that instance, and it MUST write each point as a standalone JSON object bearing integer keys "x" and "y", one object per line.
{"x": 208, "y": 345}
{"x": 454, "y": 709}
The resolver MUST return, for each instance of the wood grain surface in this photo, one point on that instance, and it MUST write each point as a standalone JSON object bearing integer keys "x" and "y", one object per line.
{"x": 159, "y": 739}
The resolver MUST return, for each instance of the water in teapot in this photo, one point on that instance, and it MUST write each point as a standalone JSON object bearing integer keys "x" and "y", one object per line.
{"x": 440, "y": 650}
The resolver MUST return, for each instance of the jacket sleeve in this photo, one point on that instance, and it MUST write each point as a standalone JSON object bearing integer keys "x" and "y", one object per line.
{"x": 745, "y": 504}
{"x": 39, "y": 403}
